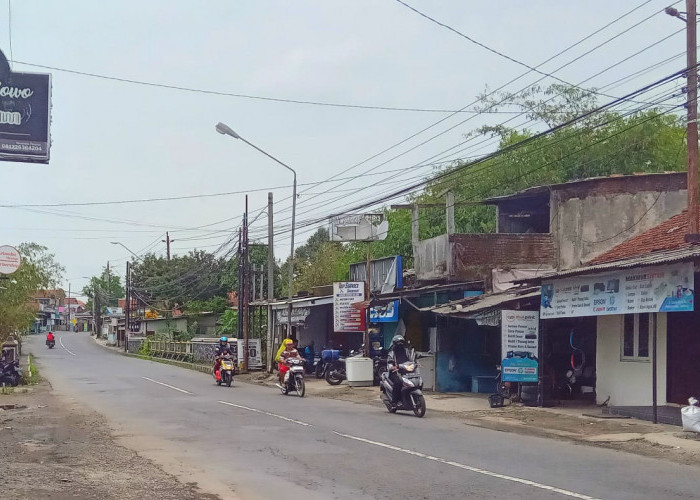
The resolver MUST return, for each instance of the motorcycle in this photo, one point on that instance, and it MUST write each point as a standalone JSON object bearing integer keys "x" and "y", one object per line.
{"x": 11, "y": 374}
{"x": 411, "y": 391}
{"x": 51, "y": 343}
{"x": 226, "y": 370}
{"x": 380, "y": 365}
{"x": 294, "y": 378}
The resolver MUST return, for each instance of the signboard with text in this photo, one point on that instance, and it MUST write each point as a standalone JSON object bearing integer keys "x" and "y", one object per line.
{"x": 519, "y": 346}
{"x": 644, "y": 290}
{"x": 10, "y": 259}
{"x": 347, "y": 318}
{"x": 25, "y": 115}
{"x": 254, "y": 352}
{"x": 388, "y": 313}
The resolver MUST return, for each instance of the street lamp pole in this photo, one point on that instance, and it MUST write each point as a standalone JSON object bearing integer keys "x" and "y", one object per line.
{"x": 226, "y": 130}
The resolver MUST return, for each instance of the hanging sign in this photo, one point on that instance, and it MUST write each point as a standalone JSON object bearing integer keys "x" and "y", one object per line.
{"x": 25, "y": 115}
{"x": 10, "y": 259}
{"x": 347, "y": 318}
{"x": 388, "y": 313}
{"x": 519, "y": 346}
{"x": 642, "y": 290}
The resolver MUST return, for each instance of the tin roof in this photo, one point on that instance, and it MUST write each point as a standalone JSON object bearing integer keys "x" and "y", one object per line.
{"x": 482, "y": 303}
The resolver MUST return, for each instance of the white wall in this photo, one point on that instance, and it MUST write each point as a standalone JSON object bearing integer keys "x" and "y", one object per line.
{"x": 628, "y": 383}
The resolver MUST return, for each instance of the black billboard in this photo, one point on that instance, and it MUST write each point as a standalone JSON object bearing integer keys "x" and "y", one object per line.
{"x": 25, "y": 115}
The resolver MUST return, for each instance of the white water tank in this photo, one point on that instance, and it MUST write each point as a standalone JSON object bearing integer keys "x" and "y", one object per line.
{"x": 360, "y": 371}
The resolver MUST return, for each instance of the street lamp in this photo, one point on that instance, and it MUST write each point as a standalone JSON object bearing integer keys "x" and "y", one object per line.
{"x": 127, "y": 249}
{"x": 224, "y": 129}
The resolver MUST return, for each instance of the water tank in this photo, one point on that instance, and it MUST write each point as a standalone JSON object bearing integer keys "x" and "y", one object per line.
{"x": 360, "y": 371}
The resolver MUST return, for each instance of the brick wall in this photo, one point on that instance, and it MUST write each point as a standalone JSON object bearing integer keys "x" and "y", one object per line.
{"x": 474, "y": 255}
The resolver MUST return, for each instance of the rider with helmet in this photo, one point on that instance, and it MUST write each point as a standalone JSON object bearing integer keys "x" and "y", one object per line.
{"x": 221, "y": 350}
{"x": 399, "y": 352}
{"x": 290, "y": 351}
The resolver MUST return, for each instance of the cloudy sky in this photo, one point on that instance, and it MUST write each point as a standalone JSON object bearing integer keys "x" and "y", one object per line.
{"x": 113, "y": 140}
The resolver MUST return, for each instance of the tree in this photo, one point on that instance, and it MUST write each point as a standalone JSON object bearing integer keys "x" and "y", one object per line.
{"x": 39, "y": 270}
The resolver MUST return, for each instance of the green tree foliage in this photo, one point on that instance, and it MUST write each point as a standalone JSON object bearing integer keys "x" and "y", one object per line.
{"x": 104, "y": 290}
{"x": 39, "y": 270}
{"x": 602, "y": 144}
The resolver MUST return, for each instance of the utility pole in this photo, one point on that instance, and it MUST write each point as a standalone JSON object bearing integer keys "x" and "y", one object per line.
{"x": 68, "y": 326}
{"x": 127, "y": 311}
{"x": 368, "y": 294}
{"x": 240, "y": 283}
{"x": 270, "y": 282}
{"x": 246, "y": 288}
{"x": 693, "y": 235}
{"x": 167, "y": 242}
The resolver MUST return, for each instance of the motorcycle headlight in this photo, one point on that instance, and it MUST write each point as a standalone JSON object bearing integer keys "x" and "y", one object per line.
{"x": 408, "y": 382}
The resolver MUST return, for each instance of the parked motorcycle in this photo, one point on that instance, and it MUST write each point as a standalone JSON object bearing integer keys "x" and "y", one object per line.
{"x": 334, "y": 366}
{"x": 294, "y": 378}
{"x": 380, "y": 365}
{"x": 411, "y": 391}
{"x": 11, "y": 374}
{"x": 226, "y": 371}
{"x": 51, "y": 344}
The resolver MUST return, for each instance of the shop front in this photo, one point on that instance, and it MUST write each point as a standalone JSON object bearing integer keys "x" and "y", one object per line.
{"x": 646, "y": 341}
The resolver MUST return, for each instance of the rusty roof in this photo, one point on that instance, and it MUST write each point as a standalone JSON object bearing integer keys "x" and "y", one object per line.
{"x": 669, "y": 235}
{"x": 534, "y": 191}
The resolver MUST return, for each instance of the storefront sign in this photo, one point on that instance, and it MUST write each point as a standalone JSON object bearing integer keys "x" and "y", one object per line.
{"x": 299, "y": 315}
{"x": 10, "y": 259}
{"x": 519, "y": 345}
{"x": 643, "y": 290}
{"x": 345, "y": 317}
{"x": 254, "y": 352}
{"x": 388, "y": 313}
{"x": 25, "y": 105}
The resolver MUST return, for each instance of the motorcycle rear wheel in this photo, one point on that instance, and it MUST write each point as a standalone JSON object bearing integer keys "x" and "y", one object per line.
{"x": 229, "y": 380}
{"x": 319, "y": 370}
{"x": 419, "y": 406}
{"x": 300, "y": 386}
{"x": 332, "y": 377}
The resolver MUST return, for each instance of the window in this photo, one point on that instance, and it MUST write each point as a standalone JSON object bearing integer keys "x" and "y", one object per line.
{"x": 635, "y": 337}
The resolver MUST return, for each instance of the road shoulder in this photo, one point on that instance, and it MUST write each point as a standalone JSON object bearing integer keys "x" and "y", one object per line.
{"x": 53, "y": 447}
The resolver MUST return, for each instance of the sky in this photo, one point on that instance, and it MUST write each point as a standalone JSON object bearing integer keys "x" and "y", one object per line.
{"x": 115, "y": 141}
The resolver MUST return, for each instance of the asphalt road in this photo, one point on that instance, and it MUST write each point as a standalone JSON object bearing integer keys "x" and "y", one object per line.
{"x": 251, "y": 442}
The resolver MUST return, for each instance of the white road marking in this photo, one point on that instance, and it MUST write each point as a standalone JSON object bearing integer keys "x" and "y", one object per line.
{"x": 266, "y": 413}
{"x": 166, "y": 385}
{"x": 60, "y": 341}
{"x": 477, "y": 470}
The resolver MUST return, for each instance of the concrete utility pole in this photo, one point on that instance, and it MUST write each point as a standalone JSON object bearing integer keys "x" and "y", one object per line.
{"x": 68, "y": 326}
{"x": 127, "y": 311}
{"x": 246, "y": 288}
{"x": 270, "y": 282}
{"x": 167, "y": 242}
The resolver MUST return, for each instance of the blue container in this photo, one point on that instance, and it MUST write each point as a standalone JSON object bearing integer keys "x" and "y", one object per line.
{"x": 329, "y": 355}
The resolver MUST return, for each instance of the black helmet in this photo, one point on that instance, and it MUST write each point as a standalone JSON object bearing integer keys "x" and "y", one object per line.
{"x": 398, "y": 339}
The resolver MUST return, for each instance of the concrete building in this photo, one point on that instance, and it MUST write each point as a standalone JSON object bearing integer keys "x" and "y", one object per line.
{"x": 554, "y": 227}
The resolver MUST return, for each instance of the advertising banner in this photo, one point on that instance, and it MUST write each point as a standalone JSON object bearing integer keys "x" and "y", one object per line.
{"x": 519, "y": 346}
{"x": 643, "y": 290}
{"x": 254, "y": 353}
{"x": 385, "y": 314}
{"x": 345, "y": 317}
{"x": 25, "y": 115}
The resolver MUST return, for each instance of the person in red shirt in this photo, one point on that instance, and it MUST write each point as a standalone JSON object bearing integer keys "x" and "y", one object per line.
{"x": 50, "y": 337}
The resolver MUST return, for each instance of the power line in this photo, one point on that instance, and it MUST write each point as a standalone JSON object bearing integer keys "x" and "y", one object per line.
{"x": 250, "y": 96}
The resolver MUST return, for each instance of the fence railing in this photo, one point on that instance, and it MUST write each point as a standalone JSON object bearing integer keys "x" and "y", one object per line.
{"x": 179, "y": 351}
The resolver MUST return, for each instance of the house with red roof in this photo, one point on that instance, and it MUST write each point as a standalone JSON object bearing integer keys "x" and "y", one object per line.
{"x": 641, "y": 294}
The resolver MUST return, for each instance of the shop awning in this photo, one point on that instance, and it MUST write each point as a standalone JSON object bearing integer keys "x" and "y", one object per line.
{"x": 484, "y": 303}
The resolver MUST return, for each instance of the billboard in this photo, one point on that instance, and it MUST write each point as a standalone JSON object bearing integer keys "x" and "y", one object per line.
{"x": 347, "y": 318}
{"x": 520, "y": 342}
{"x": 25, "y": 115}
{"x": 386, "y": 273}
{"x": 643, "y": 290}
{"x": 359, "y": 227}
{"x": 388, "y": 313}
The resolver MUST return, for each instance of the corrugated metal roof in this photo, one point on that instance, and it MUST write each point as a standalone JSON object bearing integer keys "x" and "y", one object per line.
{"x": 652, "y": 259}
{"x": 473, "y": 305}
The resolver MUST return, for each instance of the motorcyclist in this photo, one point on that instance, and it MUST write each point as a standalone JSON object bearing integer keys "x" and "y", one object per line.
{"x": 399, "y": 352}
{"x": 221, "y": 350}
{"x": 290, "y": 351}
{"x": 50, "y": 337}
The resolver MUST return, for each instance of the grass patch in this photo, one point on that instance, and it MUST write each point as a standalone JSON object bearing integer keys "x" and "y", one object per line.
{"x": 31, "y": 374}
